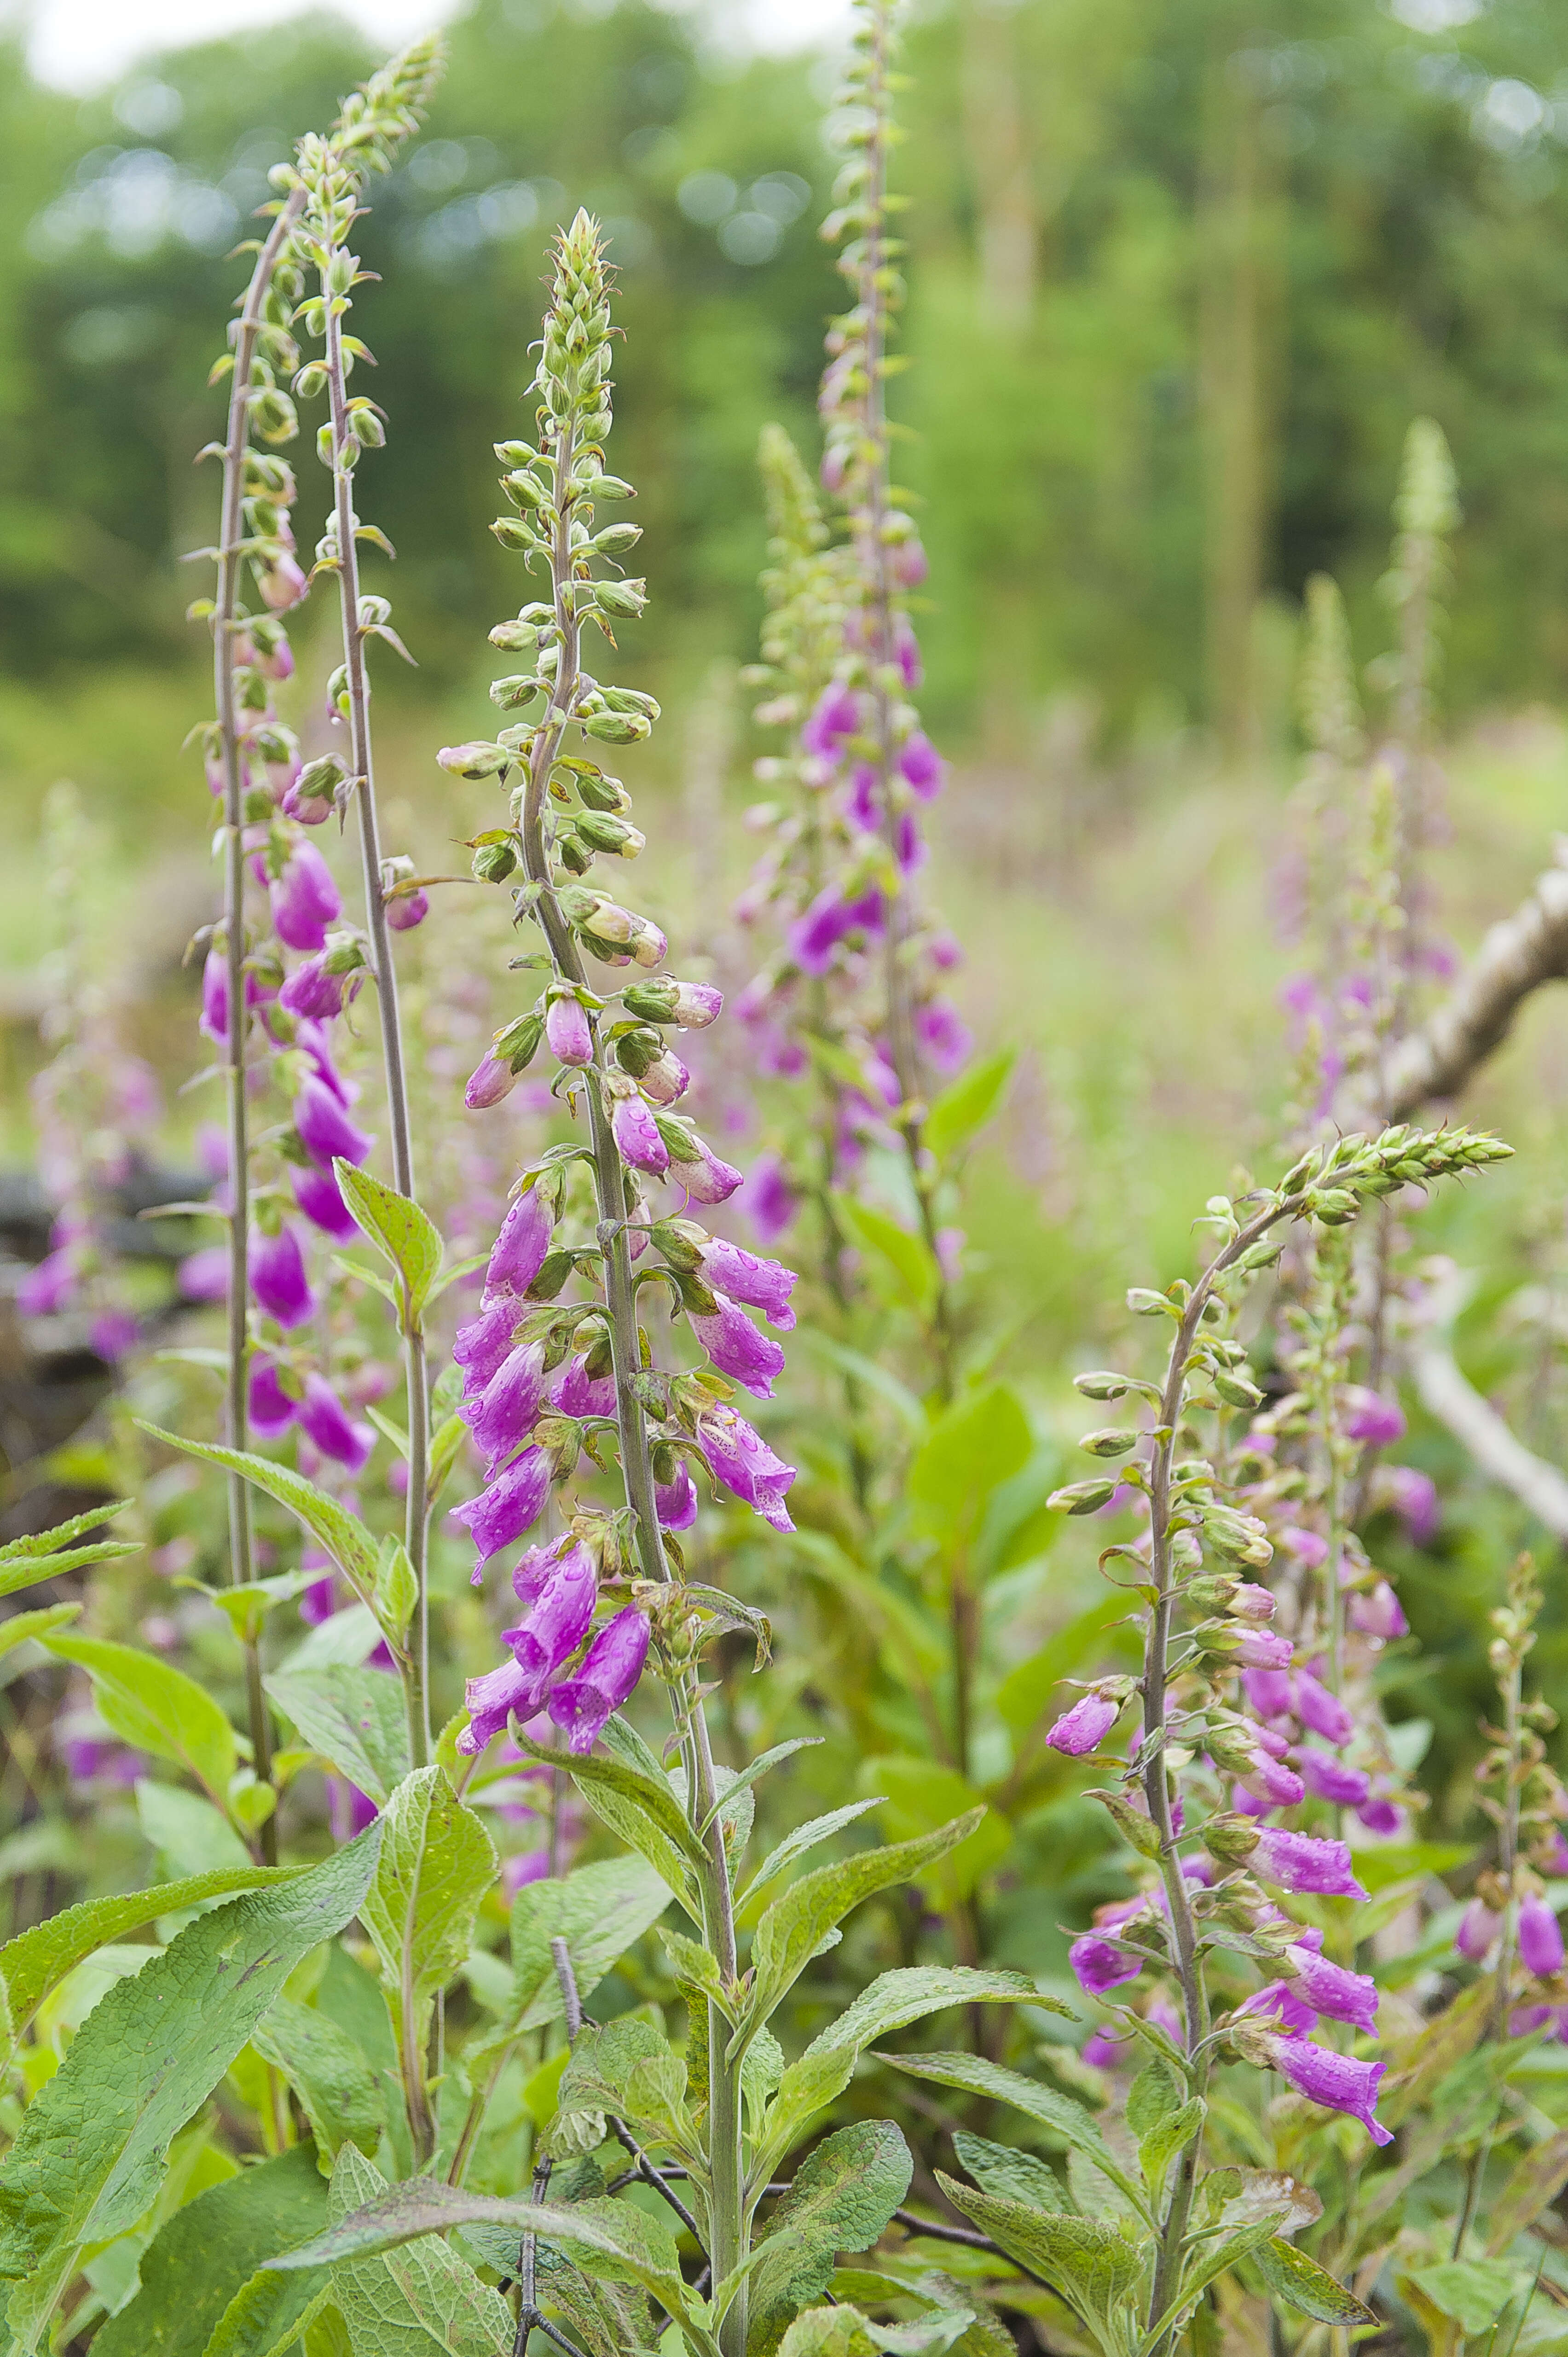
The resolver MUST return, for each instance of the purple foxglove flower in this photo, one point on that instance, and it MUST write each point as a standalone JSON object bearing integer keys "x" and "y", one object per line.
{"x": 697, "y": 1004}
{"x": 1539, "y": 1938}
{"x": 738, "y": 1349}
{"x": 1250, "y": 1804}
{"x": 1295, "y": 2018}
{"x": 311, "y": 990}
{"x": 862, "y": 803}
{"x": 277, "y": 1276}
{"x": 1081, "y": 1728}
{"x": 1414, "y": 1497}
{"x": 320, "y": 1198}
{"x": 1099, "y": 1966}
{"x": 1269, "y": 1692}
{"x": 1262, "y": 1649}
{"x": 836, "y": 715}
{"x": 764, "y": 1285}
{"x": 739, "y": 1457}
{"x": 611, "y": 1667}
{"x": 1379, "y": 1816}
{"x": 665, "y": 1079}
{"x": 270, "y": 1407}
{"x": 1525, "y": 2020}
{"x": 518, "y": 1253}
{"x": 282, "y": 585}
{"x": 577, "y": 1393}
{"x": 511, "y": 1505}
{"x": 112, "y": 1333}
{"x": 1300, "y": 1862}
{"x": 705, "y": 1179}
{"x": 1323, "y": 1712}
{"x": 525, "y": 1866}
{"x": 1377, "y": 1423}
{"x": 567, "y": 1031}
{"x": 636, "y": 1135}
{"x": 1306, "y": 1546}
{"x": 1478, "y": 1927}
{"x": 309, "y": 807}
{"x": 559, "y": 1618}
{"x": 489, "y": 1082}
{"x": 943, "y": 1033}
{"x": 1328, "y": 1988}
{"x": 507, "y": 1410}
{"x": 491, "y": 1699}
{"x": 1163, "y": 2015}
{"x": 1250, "y": 1603}
{"x": 768, "y": 1199}
{"x": 908, "y": 563}
{"x": 203, "y": 1275}
{"x": 1336, "y": 2081}
{"x": 1378, "y": 1613}
{"x": 327, "y": 1426}
{"x": 1269, "y": 1779}
{"x": 482, "y": 1345}
{"x": 1327, "y": 1779}
{"x": 906, "y": 651}
{"x": 676, "y": 1499}
{"x": 811, "y": 940}
{"x": 325, "y": 1128}
{"x": 1104, "y": 2050}
{"x": 538, "y": 1566}
{"x": 921, "y": 765}
{"x": 407, "y": 910}
{"x": 304, "y": 900}
{"x": 47, "y": 1288}
{"x": 1555, "y": 1861}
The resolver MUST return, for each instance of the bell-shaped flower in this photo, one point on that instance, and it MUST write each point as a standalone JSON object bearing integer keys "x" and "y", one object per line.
{"x": 277, "y": 1276}
{"x": 268, "y": 1405}
{"x": 511, "y": 1505}
{"x": 581, "y": 1706}
{"x": 320, "y": 1198}
{"x": 327, "y": 1423}
{"x": 304, "y": 900}
{"x": 738, "y": 1348}
{"x": 518, "y": 1253}
{"x": 739, "y": 1457}
{"x": 1337, "y": 2082}
{"x": 324, "y": 1128}
{"x": 1085, "y": 1726}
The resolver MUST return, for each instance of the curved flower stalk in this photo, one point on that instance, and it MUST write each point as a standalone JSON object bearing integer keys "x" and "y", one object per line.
{"x": 545, "y": 1380}
{"x": 1225, "y": 1695}
{"x": 330, "y": 173}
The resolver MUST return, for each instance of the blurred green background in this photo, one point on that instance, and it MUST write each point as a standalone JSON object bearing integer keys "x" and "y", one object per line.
{"x": 1181, "y": 273}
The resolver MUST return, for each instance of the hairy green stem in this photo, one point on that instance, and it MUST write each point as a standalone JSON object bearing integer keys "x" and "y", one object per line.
{"x": 225, "y": 623}
{"x": 415, "y": 1373}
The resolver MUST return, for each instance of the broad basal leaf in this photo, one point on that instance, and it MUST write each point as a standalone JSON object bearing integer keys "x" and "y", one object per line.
{"x": 436, "y": 1863}
{"x": 205, "y": 2253}
{"x": 89, "y": 2154}
{"x": 355, "y": 1718}
{"x": 155, "y": 1707}
{"x": 841, "y": 2197}
{"x": 600, "y": 1910}
{"x": 423, "y": 2301}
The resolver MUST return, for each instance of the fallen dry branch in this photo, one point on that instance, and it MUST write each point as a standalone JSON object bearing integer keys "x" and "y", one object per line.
{"x": 1516, "y": 956}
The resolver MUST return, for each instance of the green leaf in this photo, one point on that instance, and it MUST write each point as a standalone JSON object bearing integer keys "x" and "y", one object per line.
{"x": 795, "y": 1926}
{"x": 90, "y": 2150}
{"x": 843, "y": 2196}
{"x": 348, "y": 1638}
{"x": 155, "y": 1707}
{"x": 758, "y": 1767}
{"x": 1026, "y": 1691}
{"x": 963, "y": 1110}
{"x": 908, "y": 1258}
{"x": 600, "y": 1910}
{"x": 23, "y": 1625}
{"x": 436, "y": 1863}
{"x": 1474, "y": 2292}
{"x": 1003, "y": 2169}
{"x": 1538, "y": 2179}
{"x": 355, "y": 1718}
{"x": 1301, "y": 2284}
{"x": 644, "y": 1812}
{"x": 338, "y": 1532}
{"x": 915, "y": 1991}
{"x": 408, "y": 2303}
{"x": 271, "y": 2314}
{"x": 1172, "y": 2135}
{"x": 918, "y": 1795}
{"x": 336, "y": 2088}
{"x": 629, "y": 2069}
{"x": 1206, "y": 2265}
{"x": 982, "y": 1441}
{"x": 200, "y": 2259}
{"x": 37, "y": 1960}
{"x": 191, "y": 1835}
{"x": 796, "y": 1845}
{"x": 1092, "y": 2267}
{"x": 827, "y": 2332}
{"x": 397, "y": 1226}
{"x": 34, "y": 1544}
{"x": 1153, "y": 2096}
{"x": 805, "y": 2088}
{"x": 389, "y": 2216}
{"x": 1075, "y": 2126}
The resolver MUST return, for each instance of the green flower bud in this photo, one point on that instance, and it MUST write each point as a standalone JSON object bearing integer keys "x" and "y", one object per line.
{"x": 1236, "y": 1392}
{"x": 622, "y": 599}
{"x": 520, "y": 688}
{"x": 618, "y": 727}
{"x": 1109, "y": 1442}
{"x": 513, "y": 534}
{"x": 1082, "y": 1497}
{"x": 517, "y": 1044}
{"x": 494, "y": 862}
{"x": 515, "y": 638}
{"x": 526, "y": 488}
{"x": 601, "y": 794}
{"x": 611, "y": 835}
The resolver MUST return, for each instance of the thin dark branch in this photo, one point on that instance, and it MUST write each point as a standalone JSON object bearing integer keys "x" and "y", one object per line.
{"x": 1516, "y": 956}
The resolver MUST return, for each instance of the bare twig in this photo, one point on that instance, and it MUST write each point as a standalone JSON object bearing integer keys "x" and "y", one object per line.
{"x": 1476, "y": 1424}
{"x": 1516, "y": 956}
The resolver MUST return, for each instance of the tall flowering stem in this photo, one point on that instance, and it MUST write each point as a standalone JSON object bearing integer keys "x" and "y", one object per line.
{"x": 331, "y": 175}
{"x": 614, "y": 1064}
{"x": 1207, "y": 1628}
{"x": 262, "y": 346}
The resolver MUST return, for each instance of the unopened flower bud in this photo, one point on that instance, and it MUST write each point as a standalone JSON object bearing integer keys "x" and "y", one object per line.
{"x": 494, "y": 862}
{"x": 475, "y": 759}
